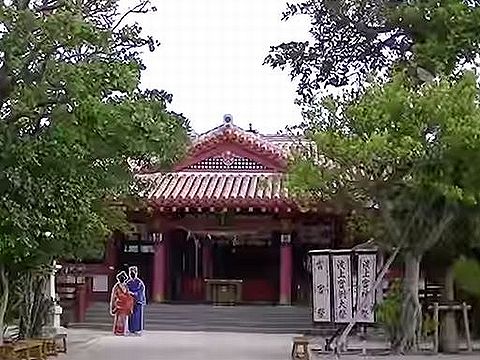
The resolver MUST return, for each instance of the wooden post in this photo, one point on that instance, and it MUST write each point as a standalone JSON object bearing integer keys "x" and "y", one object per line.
{"x": 81, "y": 294}
{"x": 285, "y": 295}
{"x": 159, "y": 273}
{"x": 435, "y": 334}
{"x": 467, "y": 326}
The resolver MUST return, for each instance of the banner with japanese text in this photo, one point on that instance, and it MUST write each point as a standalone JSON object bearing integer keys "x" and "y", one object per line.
{"x": 342, "y": 288}
{"x": 321, "y": 288}
{"x": 367, "y": 268}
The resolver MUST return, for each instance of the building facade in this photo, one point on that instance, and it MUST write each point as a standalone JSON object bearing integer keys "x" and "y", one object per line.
{"x": 224, "y": 212}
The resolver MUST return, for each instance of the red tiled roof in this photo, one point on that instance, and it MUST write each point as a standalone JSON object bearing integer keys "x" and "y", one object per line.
{"x": 229, "y": 133}
{"x": 228, "y": 167}
{"x": 207, "y": 189}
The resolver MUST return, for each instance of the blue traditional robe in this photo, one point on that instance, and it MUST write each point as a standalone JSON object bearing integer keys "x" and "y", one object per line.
{"x": 135, "y": 321}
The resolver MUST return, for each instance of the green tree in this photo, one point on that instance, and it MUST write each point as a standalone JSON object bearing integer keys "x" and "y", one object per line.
{"x": 411, "y": 152}
{"x": 74, "y": 124}
{"x": 362, "y": 43}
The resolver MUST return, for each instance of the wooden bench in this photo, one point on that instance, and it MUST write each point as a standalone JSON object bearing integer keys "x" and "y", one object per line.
{"x": 300, "y": 348}
{"x": 6, "y": 352}
{"x": 27, "y": 350}
{"x": 49, "y": 346}
{"x": 34, "y": 349}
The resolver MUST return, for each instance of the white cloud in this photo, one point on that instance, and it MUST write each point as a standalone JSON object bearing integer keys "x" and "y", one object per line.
{"x": 211, "y": 60}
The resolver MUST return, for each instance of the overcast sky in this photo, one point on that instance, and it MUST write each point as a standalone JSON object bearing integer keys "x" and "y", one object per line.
{"x": 211, "y": 59}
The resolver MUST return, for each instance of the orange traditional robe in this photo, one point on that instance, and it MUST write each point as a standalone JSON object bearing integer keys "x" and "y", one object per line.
{"x": 121, "y": 306}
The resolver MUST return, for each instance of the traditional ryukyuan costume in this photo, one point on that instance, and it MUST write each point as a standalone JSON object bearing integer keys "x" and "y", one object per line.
{"x": 121, "y": 305}
{"x": 137, "y": 289}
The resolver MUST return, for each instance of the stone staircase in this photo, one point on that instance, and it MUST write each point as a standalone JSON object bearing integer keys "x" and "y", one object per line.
{"x": 209, "y": 318}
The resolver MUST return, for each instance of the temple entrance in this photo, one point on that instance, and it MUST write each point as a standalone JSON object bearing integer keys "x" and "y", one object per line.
{"x": 254, "y": 261}
{"x": 185, "y": 268}
{"x": 251, "y": 257}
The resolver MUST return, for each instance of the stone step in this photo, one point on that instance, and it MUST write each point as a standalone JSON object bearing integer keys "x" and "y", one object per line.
{"x": 203, "y": 317}
{"x": 178, "y": 309}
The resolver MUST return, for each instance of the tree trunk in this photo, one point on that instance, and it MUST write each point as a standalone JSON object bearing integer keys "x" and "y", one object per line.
{"x": 448, "y": 325}
{"x": 4, "y": 297}
{"x": 411, "y": 310}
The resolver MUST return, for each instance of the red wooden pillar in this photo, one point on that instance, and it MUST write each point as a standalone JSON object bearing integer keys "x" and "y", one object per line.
{"x": 159, "y": 273}
{"x": 81, "y": 302}
{"x": 285, "y": 269}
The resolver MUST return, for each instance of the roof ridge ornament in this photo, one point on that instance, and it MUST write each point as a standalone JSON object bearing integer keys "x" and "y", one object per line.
{"x": 228, "y": 119}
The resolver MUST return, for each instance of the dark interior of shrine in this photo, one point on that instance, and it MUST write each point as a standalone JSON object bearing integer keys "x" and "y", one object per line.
{"x": 252, "y": 256}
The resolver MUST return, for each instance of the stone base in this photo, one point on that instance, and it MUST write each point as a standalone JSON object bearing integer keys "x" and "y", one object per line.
{"x": 158, "y": 298}
{"x": 285, "y": 300}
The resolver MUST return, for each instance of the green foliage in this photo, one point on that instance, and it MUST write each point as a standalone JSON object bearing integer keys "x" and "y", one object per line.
{"x": 352, "y": 41}
{"x": 467, "y": 275}
{"x": 428, "y": 325}
{"x": 389, "y": 313}
{"x": 444, "y": 34}
{"x": 73, "y": 126}
{"x": 361, "y": 227}
{"x": 401, "y": 148}
{"x": 406, "y": 145}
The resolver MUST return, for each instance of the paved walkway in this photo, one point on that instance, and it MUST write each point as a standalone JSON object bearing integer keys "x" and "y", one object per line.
{"x": 178, "y": 346}
{"x": 91, "y": 345}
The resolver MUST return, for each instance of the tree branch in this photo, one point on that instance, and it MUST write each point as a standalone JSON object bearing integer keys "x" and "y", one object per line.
{"x": 48, "y": 6}
{"x": 138, "y": 9}
{"x": 440, "y": 226}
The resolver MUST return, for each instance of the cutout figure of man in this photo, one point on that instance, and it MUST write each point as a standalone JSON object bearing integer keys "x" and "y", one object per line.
{"x": 137, "y": 289}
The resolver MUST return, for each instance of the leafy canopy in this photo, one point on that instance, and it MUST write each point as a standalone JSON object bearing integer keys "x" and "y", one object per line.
{"x": 399, "y": 146}
{"x": 351, "y": 40}
{"x": 73, "y": 123}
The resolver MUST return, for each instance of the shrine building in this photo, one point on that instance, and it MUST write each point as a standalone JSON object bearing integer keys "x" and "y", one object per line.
{"x": 223, "y": 213}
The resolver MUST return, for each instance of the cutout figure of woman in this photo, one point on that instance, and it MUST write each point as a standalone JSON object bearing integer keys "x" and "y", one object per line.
{"x": 121, "y": 305}
{"x": 137, "y": 289}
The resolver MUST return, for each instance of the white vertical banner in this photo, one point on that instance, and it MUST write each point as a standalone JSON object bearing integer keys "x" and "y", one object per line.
{"x": 367, "y": 270}
{"x": 342, "y": 287}
{"x": 321, "y": 288}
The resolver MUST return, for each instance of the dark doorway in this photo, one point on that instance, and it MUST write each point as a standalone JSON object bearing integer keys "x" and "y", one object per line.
{"x": 186, "y": 281}
{"x": 139, "y": 254}
{"x": 257, "y": 265}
